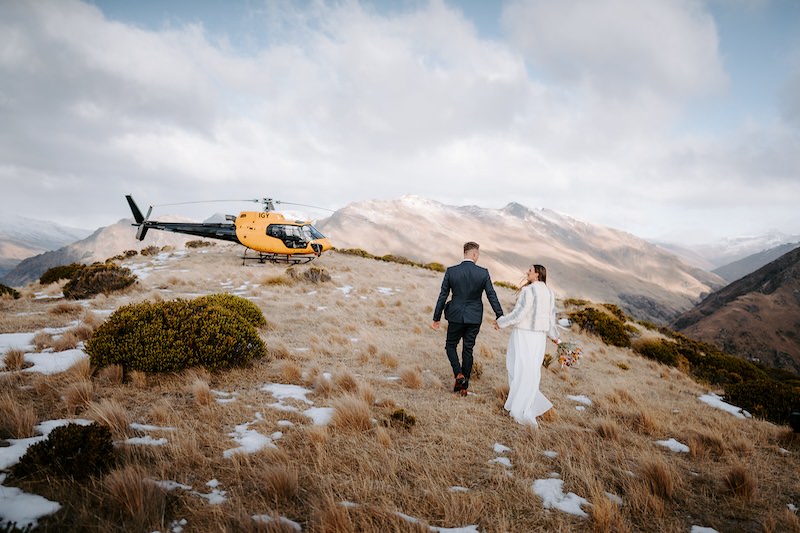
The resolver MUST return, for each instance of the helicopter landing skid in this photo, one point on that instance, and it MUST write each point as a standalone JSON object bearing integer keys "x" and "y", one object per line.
{"x": 286, "y": 259}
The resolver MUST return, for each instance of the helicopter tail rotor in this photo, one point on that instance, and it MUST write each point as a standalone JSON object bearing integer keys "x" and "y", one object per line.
{"x": 141, "y": 221}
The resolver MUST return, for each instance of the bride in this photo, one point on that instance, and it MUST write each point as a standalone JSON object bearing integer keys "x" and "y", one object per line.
{"x": 534, "y": 319}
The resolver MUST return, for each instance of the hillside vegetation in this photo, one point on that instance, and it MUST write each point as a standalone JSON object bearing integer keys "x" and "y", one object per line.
{"x": 400, "y": 451}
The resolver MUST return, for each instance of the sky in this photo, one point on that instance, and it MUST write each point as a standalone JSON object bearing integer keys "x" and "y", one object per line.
{"x": 675, "y": 120}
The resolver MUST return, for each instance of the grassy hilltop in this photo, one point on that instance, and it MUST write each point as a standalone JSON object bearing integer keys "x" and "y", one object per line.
{"x": 400, "y": 452}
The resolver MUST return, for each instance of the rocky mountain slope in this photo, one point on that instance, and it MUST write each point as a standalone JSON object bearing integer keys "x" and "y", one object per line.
{"x": 583, "y": 260}
{"x": 22, "y": 237}
{"x": 756, "y": 317}
{"x": 104, "y": 243}
{"x": 751, "y": 263}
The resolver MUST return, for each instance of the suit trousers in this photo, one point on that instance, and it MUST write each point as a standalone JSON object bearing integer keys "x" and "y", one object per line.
{"x": 466, "y": 333}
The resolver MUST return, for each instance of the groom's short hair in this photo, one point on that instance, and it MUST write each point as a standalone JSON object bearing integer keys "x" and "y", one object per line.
{"x": 471, "y": 246}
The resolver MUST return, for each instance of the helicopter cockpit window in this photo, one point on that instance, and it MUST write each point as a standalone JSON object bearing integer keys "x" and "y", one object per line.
{"x": 292, "y": 236}
{"x": 311, "y": 233}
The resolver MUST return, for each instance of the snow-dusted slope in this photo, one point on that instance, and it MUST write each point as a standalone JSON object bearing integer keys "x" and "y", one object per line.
{"x": 22, "y": 237}
{"x": 583, "y": 260}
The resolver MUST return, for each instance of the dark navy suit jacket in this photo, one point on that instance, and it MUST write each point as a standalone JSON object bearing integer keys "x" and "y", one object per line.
{"x": 468, "y": 282}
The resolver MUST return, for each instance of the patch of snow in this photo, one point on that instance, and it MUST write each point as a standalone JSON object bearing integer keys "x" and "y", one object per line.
{"x": 288, "y": 392}
{"x": 53, "y": 363}
{"x": 580, "y": 399}
{"x": 553, "y": 497}
{"x": 457, "y": 488}
{"x": 500, "y": 448}
{"x": 23, "y": 508}
{"x": 701, "y": 529}
{"x": 147, "y": 440}
{"x": 282, "y": 520}
{"x": 549, "y": 453}
{"x": 147, "y": 427}
{"x": 250, "y": 441}
{"x": 716, "y": 401}
{"x": 505, "y": 461}
{"x": 321, "y": 416}
{"x": 673, "y": 445}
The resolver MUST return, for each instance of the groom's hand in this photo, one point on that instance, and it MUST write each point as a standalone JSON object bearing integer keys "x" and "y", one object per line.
{"x": 435, "y": 324}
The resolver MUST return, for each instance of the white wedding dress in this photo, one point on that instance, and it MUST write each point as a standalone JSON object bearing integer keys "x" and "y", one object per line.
{"x": 533, "y": 319}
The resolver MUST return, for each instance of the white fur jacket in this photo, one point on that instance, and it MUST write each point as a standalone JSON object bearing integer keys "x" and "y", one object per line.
{"x": 535, "y": 310}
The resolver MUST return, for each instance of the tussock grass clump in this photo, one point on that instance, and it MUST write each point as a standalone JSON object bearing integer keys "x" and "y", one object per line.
{"x": 141, "y": 503}
{"x": 740, "y": 482}
{"x": 81, "y": 370}
{"x": 16, "y": 421}
{"x": 111, "y": 414}
{"x": 279, "y": 483}
{"x": 66, "y": 341}
{"x": 42, "y": 340}
{"x": 14, "y": 359}
{"x": 72, "y": 451}
{"x": 150, "y": 250}
{"x": 608, "y": 429}
{"x": 399, "y": 418}
{"x": 111, "y": 374}
{"x": 659, "y": 478}
{"x": 703, "y": 444}
{"x": 411, "y": 377}
{"x": 66, "y": 308}
{"x": 351, "y": 414}
{"x": 78, "y": 395}
{"x": 99, "y": 278}
{"x": 200, "y": 243}
{"x": 201, "y": 392}
{"x": 173, "y": 335}
{"x": 8, "y": 292}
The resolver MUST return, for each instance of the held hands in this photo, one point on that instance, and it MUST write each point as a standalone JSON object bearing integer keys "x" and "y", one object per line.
{"x": 495, "y": 325}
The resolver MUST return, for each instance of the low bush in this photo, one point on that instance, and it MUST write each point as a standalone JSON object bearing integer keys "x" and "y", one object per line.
{"x": 174, "y": 335}
{"x": 98, "y": 278}
{"x": 199, "y": 243}
{"x": 391, "y": 258}
{"x": 506, "y": 285}
{"x": 436, "y": 267}
{"x": 13, "y": 293}
{"x": 765, "y": 399}
{"x": 609, "y": 328}
{"x": 71, "y": 451}
{"x": 150, "y": 250}
{"x": 241, "y": 306}
{"x": 661, "y": 350}
{"x": 616, "y": 311}
{"x": 58, "y": 273}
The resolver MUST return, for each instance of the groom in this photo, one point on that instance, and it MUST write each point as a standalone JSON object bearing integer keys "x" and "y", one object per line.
{"x": 464, "y": 312}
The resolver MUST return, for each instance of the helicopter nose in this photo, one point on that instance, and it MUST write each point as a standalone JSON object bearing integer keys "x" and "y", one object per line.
{"x": 317, "y": 248}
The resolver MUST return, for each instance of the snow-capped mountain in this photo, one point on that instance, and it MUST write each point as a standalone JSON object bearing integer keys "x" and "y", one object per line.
{"x": 22, "y": 237}
{"x": 731, "y": 249}
{"x": 583, "y": 260}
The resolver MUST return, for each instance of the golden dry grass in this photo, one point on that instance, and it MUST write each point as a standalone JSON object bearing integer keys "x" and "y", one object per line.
{"x": 16, "y": 421}
{"x": 14, "y": 359}
{"x": 365, "y": 369}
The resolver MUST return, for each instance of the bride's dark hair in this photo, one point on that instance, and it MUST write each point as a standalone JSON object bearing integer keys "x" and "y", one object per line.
{"x": 541, "y": 271}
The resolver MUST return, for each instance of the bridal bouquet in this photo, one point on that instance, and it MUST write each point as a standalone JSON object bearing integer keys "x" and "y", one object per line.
{"x": 569, "y": 353}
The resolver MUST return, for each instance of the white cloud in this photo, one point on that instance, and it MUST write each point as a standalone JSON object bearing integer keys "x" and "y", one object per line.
{"x": 340, "y": 102}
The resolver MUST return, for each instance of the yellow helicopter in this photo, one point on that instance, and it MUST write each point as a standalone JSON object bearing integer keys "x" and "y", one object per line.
{"x": 272, "y": 236}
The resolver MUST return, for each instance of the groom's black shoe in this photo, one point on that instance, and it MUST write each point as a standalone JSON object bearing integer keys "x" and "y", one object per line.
{"x": 460, "y": 384}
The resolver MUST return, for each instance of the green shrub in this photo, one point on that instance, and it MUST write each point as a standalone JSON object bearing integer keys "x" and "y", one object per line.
{"x": 647, "y": 324}
{"x": 241, "y": 306}
{"x": 98, "y": 278}
{"x": 4, "y": 289}
{"x": 765, "y": 399}
{"x": 609, "y": 328}
{"x": 575, "y": 302}
{"x": 150, "y": 250}
{"x": 661, "y": 350}
{"x": 507, "y": 285}
{"x": 436, "y": 267}
{"x": 199, "y": 243}
{"x": 616, "y": 311}
{"x": 73, "y": 451}
{"x": 174, "y": 335}
{"x": 399, "y": 418}
{"x": 357, "y": 252}
{"x": 60, "y": 272}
